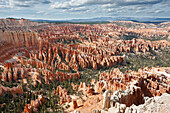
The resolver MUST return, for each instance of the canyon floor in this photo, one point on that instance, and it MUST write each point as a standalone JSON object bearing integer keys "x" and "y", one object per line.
{"x": 115, "y": 67}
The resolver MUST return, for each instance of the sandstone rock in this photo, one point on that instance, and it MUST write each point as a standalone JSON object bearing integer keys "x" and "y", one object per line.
{"x": 35, "y": 78}
{"x": 74, "y": 104}
{"x": 155, "y": 104}
{"x": 96, "y": 111}
{"x": 132, "y": 95}
{"x": 106, "y": 100}
{"x": 64, "y": 97}
{"x": 34, "y": 104}
{"x": 90, "y": 91}
{"x": 14, "y": 90}
{"x": 28, "y": 108}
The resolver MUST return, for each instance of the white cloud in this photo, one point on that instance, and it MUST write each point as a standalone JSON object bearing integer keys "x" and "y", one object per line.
{"x": 158, "y": 11}
{"x": 39, "y": 12}
{"x": 84, "y": 8}
{"x": 22, "y": 3}
{"x": 79, "y": 9}
{"x": 106, "y": 3}
{"x": 78, "y": 3}
{"x": 116, "y": 7}
{"x": 4, "y": 4}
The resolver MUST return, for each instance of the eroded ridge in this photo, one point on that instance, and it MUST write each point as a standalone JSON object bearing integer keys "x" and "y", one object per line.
{"x": 48, "y": 67}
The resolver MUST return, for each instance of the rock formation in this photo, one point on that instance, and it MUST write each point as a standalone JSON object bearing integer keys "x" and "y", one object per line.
{"x": 34, "y": 105}
{"x": 74, "y": 104}
{"x": 132, "y": 95}
{"x": 154, "y": 104}
{"x": 42, "y": 54}
{"x": 14, "y": 90}
{"x": 106, "y": 100}
{"x": 64, "y": 97}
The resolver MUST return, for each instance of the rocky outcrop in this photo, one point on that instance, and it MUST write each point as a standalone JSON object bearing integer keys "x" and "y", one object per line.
{"x": 20, "y": 38}
{"x": 35, "y": 78}
{"x": 13, "y": 42}
{"x": 14, "y": 90}
{"x": 147, "y": 82}
{"x": 132, "y": 95}
{"x": 114, "y": 80}
{"x": 33, "y": 107}
{"x": 155, "y": 104}
{"x": 31, "y": 51}
{"x": 86, "y": 89}
{"x": 106, "y": 100}
{"x": 20, "y": 24}
{"x": 64, "y": 97}
{"x": 155, "y": 82}
{"x": 74, "y": 104}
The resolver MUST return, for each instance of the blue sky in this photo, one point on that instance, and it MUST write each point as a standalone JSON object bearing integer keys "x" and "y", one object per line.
{"x": 79, "y": 9}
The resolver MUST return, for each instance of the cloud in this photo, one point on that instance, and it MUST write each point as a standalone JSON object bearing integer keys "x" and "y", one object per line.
{"x": 22, "y": 3}
{"x": 85, "y": 8}
{"x": 4, "y": 4}
{"x": 109, "y": 6}
{"x": 78, "y": 3}
{"x": 39, "y": 12}
{"x": 77, "y": 9}
{"x": 107, "y": 3}
{"x": 113, "y": 7}
{"x": 158, "y": 11}
{"x": 30, "y": 3}
{"x": 138, "y": 2}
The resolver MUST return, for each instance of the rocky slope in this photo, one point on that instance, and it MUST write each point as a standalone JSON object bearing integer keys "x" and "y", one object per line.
{"x": 77, "y": 66}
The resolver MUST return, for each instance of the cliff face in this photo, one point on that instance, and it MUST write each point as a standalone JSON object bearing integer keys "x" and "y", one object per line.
{"x": 13, "y": 42}
{"x": 17, "y": 36}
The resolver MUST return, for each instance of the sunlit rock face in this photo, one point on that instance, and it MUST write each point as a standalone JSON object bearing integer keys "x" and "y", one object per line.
{"x": 14, "y": 90}
{"x": 38, "y": 55}
{"x": 35, "y": 104}
{"x": 63, "y": 94}
{"x": 147, "y": 82}
{"x": 154, "y": 104}
{"x": 121, "y": 91}
{"x": 74, "y": 104}
{"x": 132, "y": 95}
{"x": 13, "y": 42}
{"x": 17, "y": 24}
{"x": 106, "y": 100}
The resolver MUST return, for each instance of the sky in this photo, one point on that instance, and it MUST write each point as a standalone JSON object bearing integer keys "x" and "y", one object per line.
{"x": 83, "y": 9}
